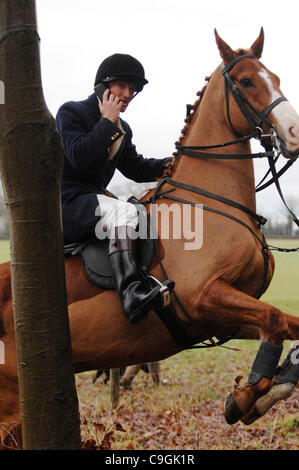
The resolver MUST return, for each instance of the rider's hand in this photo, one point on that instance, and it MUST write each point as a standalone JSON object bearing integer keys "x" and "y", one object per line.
{"x": 110, "y": 107}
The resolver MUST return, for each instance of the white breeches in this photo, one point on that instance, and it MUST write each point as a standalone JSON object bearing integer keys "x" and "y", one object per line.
{"x": 114, "y": 213}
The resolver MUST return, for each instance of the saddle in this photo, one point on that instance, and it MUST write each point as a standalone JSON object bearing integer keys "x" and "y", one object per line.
{"x": 96, "y": 263}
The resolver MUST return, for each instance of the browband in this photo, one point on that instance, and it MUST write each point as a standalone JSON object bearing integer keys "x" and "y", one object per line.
{"x": 226, "y": 68}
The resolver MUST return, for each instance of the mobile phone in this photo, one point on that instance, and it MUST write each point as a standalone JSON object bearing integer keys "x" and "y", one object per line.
{"x": 99, "y": 89}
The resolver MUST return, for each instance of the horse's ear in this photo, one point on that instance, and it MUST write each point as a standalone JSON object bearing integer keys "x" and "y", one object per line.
{"x": 257, "y": 46}
{"x": 226, "y": 52}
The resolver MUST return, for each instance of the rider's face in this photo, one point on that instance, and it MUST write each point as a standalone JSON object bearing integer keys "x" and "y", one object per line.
{"x": 123, "y": 90}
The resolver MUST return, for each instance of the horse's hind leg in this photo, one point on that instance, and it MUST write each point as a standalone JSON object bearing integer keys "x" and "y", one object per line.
{"x": 222, "y": 304}
{"x": 128, "y": 377}
{"x": 10, "y": 431}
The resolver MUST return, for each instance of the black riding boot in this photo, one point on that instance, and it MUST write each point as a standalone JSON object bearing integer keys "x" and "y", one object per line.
{"x": 136, "y": 298}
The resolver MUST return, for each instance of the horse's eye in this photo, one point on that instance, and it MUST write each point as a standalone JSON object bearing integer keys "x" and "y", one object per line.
{"x": 246, "y": 83}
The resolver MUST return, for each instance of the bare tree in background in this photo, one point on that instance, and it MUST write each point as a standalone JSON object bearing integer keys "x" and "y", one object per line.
{"x": 293, "y": 205}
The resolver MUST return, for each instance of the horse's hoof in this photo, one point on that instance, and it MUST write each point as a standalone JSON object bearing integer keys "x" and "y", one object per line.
{"x": 277, "y": 393}
{"x": 232, "y": 412}
{"x": 251, "y": 416}
{"x": 126, "y": 387}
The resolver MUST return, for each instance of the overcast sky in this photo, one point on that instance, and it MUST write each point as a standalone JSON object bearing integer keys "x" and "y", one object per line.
{"x": 174, "y": 40}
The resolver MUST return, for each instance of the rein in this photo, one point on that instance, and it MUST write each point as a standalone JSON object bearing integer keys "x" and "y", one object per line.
{"x": 271, "y": 143}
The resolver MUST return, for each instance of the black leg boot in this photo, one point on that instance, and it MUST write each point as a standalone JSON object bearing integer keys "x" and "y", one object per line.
{"x": 136, "y": 298}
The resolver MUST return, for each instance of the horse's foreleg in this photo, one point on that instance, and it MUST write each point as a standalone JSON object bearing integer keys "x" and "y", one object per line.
{"x": 285, "y": 381}
{"x": 223, "y": 304}
{"x": 293, "y": 326}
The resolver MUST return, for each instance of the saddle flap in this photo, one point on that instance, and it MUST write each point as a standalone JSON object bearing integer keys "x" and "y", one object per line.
{"x": 96, "y": 263}
{"x": 95, "y": 257}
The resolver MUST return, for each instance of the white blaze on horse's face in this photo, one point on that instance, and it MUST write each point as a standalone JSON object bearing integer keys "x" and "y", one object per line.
{"x": 287, "y": 120}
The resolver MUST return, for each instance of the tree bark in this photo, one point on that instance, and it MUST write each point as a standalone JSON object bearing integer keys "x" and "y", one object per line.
{"x": 31, "y": 162}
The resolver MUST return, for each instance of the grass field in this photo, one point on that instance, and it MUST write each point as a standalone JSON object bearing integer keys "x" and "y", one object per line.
{"x": 186, "y": 410}
{"x": 284, "y": 285}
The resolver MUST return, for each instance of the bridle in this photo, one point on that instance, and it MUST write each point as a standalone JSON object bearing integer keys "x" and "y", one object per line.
{"x": 272, "y": 145}
{"x": 271, "y": 141}
{"x": 254, "y": 117}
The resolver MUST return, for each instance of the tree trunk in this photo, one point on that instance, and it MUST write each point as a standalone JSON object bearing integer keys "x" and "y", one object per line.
{"x": 31, "y": 162}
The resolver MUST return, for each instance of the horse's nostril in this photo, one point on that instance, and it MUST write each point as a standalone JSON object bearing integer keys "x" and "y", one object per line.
{"x": 293, "y": 134}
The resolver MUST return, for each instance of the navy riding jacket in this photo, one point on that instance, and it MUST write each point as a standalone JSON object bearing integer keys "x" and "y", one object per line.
{"x": 86, "y": 138}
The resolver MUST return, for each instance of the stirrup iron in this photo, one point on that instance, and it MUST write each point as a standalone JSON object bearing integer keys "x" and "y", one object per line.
{"x": 165, "y": 290}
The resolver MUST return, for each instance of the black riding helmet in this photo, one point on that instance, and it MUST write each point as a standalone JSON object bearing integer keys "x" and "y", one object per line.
{"x": 123, "y": 67}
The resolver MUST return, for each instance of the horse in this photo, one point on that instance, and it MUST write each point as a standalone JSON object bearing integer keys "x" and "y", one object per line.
{"x": 128, "y": 374}
{"x": 217, "y": 285}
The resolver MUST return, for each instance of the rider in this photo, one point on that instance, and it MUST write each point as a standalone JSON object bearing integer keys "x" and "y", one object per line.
{"x": 96, "y": 141}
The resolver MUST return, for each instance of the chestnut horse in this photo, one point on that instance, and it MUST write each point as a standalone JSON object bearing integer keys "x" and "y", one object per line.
{"x": 219, "y": 284}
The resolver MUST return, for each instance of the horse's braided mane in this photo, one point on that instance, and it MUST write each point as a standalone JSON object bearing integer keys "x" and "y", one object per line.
{"x": 169, "y": 167}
